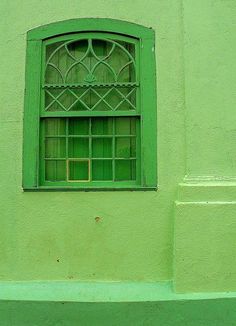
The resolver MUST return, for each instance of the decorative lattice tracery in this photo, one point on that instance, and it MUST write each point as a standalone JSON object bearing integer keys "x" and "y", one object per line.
{"x": 94, "y": 74}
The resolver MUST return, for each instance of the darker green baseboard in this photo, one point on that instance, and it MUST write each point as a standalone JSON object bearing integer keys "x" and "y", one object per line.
{"x": 210, "y": 312}
{"x": 118, "y": 304}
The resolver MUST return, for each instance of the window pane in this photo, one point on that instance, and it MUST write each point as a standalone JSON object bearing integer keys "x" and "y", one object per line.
{"x": 119, "y": 59}
{"x": 70, "y": 138}
{"x": 101, "y": 170}
{"x": 78, "y": 50}
{"x": 55, "y": 126}
{"x": 125, "y": 170}
{"x": 78, "y": 170}
{"x": 55, "y": 147}
{"x": 128, "y": 98}
{"x": 55, "y": 170}
{"x": 102, "y": 147}
{"x": 125, "y": 126}
{"x": 102, "y": 126}
{"x": 58, "y": 57}
{"x": 78, "y": 147}
{"x": 125, "y": 147}
{"x": 79, "y": 126}
{"x": 63, "y": 100}
{"x": 90, "y": 98}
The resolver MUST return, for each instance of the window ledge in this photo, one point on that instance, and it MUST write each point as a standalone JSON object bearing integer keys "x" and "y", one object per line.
{"x": 86, "y": 189}
{"x": 75, "y": 291}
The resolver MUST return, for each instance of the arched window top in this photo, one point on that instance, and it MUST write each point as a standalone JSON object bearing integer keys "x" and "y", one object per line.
{"x": 89, "y": 58}
{"x": 90, "y": 24}
{"x": 90, "y": 71}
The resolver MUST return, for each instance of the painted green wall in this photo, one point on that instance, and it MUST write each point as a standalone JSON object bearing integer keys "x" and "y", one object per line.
{"x": 205, "y": 230}
{"x": 210, "y": 68}
{"x": 55, "y": 236}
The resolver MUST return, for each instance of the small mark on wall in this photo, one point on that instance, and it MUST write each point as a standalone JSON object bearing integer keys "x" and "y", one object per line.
{"x": 98, "y": 219}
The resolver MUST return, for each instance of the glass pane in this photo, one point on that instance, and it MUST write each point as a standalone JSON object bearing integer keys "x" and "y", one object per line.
{"x": 79, "y": 126}
{"x": 127, "y": 98}
{"x": 59, "y": 62}
{"x": 102, "y": 126}
{"x": 90, "y": 98}
{"x": 74, "y": 99}
{"x": 55, "y": 126}
{"x": 112, "y": 98}
{"x": 120, "y": 59}
{"x": 55, "y": 147}
{"x": 55, "y": 170}
{"x": 125, "y": 147}
{"x": 66, "y": 100}
{"x": 78, "y": 49}
{"x": 78, "y": 147}
{"x": 50, "y": 48}
{"x": 101, "y": 48}
{"x": 104, "y": 74}
{"x": 125, "y": 170}
{"x": 101, "y": 170}
{"x": 102, "y": 106}
{"x": 102, "y": 147}
{"x": 58, "y": 99}
{"x": 79, "y": 170}
{"x": 125, "y": 126}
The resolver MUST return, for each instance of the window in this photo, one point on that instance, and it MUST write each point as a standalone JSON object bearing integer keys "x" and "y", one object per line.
{"x": 90, "y": 109}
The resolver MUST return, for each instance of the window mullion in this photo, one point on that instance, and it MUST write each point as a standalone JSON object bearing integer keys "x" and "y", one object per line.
{"x": 113, "y": 149}
{"x": 67, "y": 148}
{"x": 90, "y": 149}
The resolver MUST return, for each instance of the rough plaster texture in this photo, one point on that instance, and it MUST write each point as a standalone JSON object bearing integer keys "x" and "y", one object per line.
{"x": 210, "y": 69}
{"x": 55, "y": 236}
{"x": 204, "y": 249}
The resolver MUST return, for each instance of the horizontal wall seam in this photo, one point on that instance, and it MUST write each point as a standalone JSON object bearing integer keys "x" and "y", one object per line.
{"x": 205, "y": 203}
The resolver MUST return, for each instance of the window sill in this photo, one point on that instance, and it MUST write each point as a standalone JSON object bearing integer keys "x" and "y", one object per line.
{"x": 87, "y": 189}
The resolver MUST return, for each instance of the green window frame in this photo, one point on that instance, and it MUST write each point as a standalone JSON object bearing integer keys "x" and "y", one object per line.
{"x": 95, "y": 128}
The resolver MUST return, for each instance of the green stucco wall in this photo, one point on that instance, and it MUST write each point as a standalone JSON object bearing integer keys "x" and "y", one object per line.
{"x": 210, "y": 95}
{"x": 205, "y": 230}
{"x": 55, "y": 235}
{"x": 185, "y": 231}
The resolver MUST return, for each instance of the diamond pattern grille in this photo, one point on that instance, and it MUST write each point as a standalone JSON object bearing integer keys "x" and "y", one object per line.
{"x": 91, "y": 99}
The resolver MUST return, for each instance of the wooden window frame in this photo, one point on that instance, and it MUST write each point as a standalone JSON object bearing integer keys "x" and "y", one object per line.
{"x": 148, "y": 136}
